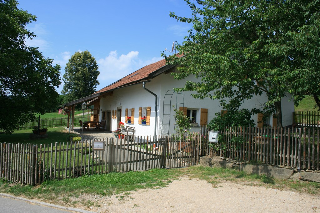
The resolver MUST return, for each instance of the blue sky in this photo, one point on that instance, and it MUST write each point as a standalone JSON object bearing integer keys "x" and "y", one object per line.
{"x": 122, "y": 36}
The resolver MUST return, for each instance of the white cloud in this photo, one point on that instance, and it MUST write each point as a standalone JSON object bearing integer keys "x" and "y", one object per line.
{"x": 38, "y": 41}
{"x": 114, "y": 67}
{"x": 62, "y": 59}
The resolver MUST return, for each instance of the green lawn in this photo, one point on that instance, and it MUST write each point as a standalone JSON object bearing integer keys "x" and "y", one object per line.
{"x": 23, "y": 136}
{"x": 57, "y": 115}
{"x": 307, "y": 104}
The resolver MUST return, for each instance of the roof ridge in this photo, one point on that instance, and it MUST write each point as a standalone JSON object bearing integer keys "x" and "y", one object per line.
{"x": 136, "y": 73}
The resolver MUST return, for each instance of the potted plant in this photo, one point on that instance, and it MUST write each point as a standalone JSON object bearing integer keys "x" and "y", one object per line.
{"x": 143, "y": 120}
{"x": 129, "y": 120}
{"x": 117, "y": 132}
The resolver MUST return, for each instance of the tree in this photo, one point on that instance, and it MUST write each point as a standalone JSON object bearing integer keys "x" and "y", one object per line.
{"x": 80, "y": 78}
{"x": 27, "y": 79}
{"x": 243, "y": 48}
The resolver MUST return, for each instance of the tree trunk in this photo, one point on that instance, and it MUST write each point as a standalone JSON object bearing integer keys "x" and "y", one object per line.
{"x": 278, "y": 113}
{"x": 317, "y": 100}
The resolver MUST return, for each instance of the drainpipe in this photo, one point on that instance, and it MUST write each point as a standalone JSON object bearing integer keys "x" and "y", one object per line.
{"x": 155, "y": 107}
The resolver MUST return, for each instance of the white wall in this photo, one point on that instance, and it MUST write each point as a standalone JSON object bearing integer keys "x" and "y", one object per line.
{"x": 287, "y": 105}
{"x": 132, "y": 97}
{"x": 136, "y": 96}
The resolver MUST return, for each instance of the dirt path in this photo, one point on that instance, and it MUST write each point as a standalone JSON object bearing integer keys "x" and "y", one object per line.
{"x": 194, "y": 195}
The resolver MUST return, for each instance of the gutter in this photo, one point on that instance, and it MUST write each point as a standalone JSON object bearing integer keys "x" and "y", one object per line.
{"x": 156, "y": 109}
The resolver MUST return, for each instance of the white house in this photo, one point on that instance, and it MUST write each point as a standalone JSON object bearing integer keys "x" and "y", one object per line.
{"x": 148, "y": 92}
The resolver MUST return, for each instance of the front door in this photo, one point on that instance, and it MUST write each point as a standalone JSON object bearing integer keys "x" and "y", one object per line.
{"x": 118, "y": 117}
{"x": 108, "y": 121}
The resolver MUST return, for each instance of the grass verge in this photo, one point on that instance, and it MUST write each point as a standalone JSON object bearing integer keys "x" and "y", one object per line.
{"x": 67, "y": 191}
{"x": 70, "y": 191}
{"x": 217, "y": 175}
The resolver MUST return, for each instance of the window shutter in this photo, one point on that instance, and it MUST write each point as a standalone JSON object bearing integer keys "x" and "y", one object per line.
{"x": 148, "y": 115}
{"x": 204, "y": 117}
{"x": 132, "y": 115}
{"x": 274, "y": 122}
{"x": 184, "y": 110}
{"x": 260, "y": 120}
{"x": 140, "y": 115}
{"x": 126, "y": 115}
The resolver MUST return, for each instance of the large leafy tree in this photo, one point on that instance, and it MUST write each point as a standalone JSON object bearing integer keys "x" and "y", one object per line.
{"x": 80, "y": 78}
{"x": 27, "y": 79}
{"x": 243, "y": 48}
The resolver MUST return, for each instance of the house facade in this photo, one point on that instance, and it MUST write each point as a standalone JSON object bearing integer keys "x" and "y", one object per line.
{"x": 146, "y": 100}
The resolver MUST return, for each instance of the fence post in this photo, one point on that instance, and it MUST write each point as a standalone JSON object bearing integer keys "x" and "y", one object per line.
{"x": 111, "y": 156}
{"x": 163, "y": 154}
{"x": 299, "y": 151}
{"x": 34, "y": 165}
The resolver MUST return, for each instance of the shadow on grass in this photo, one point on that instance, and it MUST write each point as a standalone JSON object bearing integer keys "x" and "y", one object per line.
{"x": 23, "y": 136}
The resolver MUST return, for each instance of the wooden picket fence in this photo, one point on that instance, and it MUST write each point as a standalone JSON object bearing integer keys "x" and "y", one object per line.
{"x": 296, "y": 148}
{"x": 32, "y": 164}
{"x": 308, "y": 118}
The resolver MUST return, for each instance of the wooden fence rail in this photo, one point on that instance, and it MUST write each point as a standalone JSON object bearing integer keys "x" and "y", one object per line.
{"x": 296, "y": 148}
{"x": 308, "y": 118}
{"x": 32, "y": 164}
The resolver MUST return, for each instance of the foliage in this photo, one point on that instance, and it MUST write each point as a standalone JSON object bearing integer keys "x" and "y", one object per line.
{"x": 80, "y": 78}
{"x": 27, "y": 79}
{"x": 238, "y": 49}
{"x": 232, "y": 118}
{"x": 76, "y": 139}
{"x": 182, "y": 122}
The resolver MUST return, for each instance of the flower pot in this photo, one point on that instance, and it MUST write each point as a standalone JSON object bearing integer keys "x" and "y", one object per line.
{"x": 144, "y": 122}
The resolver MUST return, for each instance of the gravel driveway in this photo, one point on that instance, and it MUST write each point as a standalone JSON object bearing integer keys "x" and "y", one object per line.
{"x": 194, "y": 195}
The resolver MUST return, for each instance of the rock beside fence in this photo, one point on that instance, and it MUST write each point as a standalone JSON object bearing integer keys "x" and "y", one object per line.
{"x": 260, "y": 169}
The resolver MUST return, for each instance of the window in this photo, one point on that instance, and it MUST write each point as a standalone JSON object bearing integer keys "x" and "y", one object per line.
{"x": 192, "y": 115}
{"x": 144, "y": 115}
{"x": 129, "y": 116}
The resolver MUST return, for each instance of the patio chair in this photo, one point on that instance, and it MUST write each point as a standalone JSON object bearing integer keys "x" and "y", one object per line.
{"x": 128, "y": 131}
{"x": 83, "y": 125}
{"x": 101, "y": 125}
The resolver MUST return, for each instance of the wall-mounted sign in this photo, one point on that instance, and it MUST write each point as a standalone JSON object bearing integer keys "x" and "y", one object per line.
{"x": 98, "y": 145}
{"x": 213, "y": 136}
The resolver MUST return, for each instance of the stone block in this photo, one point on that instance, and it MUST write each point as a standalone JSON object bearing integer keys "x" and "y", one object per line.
{"x": 206, "y": 161}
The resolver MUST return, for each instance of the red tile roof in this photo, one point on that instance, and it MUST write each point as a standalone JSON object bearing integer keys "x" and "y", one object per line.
{"x": 136, "y": 76}
{"x": 145, "y": 73}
